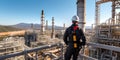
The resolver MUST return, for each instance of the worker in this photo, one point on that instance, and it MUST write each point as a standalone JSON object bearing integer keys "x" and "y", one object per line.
{"x": 72, "y": 38}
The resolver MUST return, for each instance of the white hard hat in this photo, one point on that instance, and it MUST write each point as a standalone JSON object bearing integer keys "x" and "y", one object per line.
{"x": 75, "y": 18}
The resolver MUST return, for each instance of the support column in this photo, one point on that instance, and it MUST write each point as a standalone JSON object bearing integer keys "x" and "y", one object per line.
{"x": 81, "y": 12}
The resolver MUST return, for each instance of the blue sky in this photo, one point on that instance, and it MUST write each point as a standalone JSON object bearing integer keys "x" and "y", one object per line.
{"x": 29, "y": 11}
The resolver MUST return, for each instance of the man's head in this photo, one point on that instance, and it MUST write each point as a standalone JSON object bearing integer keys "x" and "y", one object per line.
{"x": 75, "y": 20}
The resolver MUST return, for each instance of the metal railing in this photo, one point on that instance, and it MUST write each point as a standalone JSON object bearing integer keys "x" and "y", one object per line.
{"x": 25, "y": 52}
{"x": 108, "y": 47}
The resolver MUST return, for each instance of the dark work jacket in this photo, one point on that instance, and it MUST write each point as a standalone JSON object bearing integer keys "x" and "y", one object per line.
{"x": 68, "y": 37}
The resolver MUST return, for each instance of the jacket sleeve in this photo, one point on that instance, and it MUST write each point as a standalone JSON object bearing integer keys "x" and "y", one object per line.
{"x": 83, "y": 37}
{"x": 65, "y": 37}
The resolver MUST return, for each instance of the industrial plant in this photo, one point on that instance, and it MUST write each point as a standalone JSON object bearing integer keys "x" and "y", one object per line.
{"x": 46, "y": 43}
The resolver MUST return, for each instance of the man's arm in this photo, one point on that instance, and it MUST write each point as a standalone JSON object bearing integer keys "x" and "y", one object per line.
{"x": 83, "y": 37}
{"x": 65, "y": 37}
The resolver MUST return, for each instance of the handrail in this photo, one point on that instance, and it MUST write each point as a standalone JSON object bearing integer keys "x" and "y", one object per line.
{"x": 29, "y": 51}
{"x": 87, "y": 57}
{"x": 97, "y": 45}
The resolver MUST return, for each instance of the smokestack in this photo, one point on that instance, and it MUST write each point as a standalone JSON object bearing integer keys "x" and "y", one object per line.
{"x": 53, "y": 31}
{"x": 42, "y": 12}
{"x": 81, "y": 12}
{"x": 46, "y": 25}
{"x": 42, "y": 22}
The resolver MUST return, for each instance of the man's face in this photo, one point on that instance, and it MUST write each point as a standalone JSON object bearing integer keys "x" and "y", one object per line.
{"x": 75, "y": 22}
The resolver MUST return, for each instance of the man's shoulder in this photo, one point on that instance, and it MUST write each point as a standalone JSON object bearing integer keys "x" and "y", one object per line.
{"x": 69, "y": 28}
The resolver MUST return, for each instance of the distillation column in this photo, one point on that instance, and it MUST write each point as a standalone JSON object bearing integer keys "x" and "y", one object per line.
{"x": 46, "y": 25}
{"x": 53, "y": 28}
{"x": 97, "y": 15}
{"x": 81, "y": 12}
{"x": 113, "y": 12}
{"x": 42, "y": 22}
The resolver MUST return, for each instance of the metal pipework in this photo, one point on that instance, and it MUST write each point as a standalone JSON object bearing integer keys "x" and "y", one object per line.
{"x": 81, "y": 12}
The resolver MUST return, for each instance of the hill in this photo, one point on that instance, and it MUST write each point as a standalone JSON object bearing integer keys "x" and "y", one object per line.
{"x": 7, "y": 28}
{"x": 36, "y": 26}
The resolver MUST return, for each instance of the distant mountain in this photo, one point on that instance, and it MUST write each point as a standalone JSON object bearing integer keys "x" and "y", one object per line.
{"x": 35, "y": 26}
{"x": 25, "y": 25}
{"x": 7, "y": 28}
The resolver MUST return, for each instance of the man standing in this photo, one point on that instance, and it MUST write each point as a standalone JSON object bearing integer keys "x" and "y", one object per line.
{"x": 72, "y": 38}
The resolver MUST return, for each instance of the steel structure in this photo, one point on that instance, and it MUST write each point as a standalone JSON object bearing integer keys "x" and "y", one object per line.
{"x": 107, "y": 33}
{"x": 115, "y": 5}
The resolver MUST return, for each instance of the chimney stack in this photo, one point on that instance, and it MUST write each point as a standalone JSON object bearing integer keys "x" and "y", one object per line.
{"x": 42, "y": 22}
{"x": 53, "y": 31}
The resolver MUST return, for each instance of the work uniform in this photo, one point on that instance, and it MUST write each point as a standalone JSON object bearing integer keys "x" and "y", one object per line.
{"x": 72, "y": 38}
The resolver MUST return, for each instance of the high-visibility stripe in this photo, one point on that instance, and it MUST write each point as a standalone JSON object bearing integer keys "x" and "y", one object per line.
{"x": 74, "y": 37}
{"x": 75, "y": 45}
